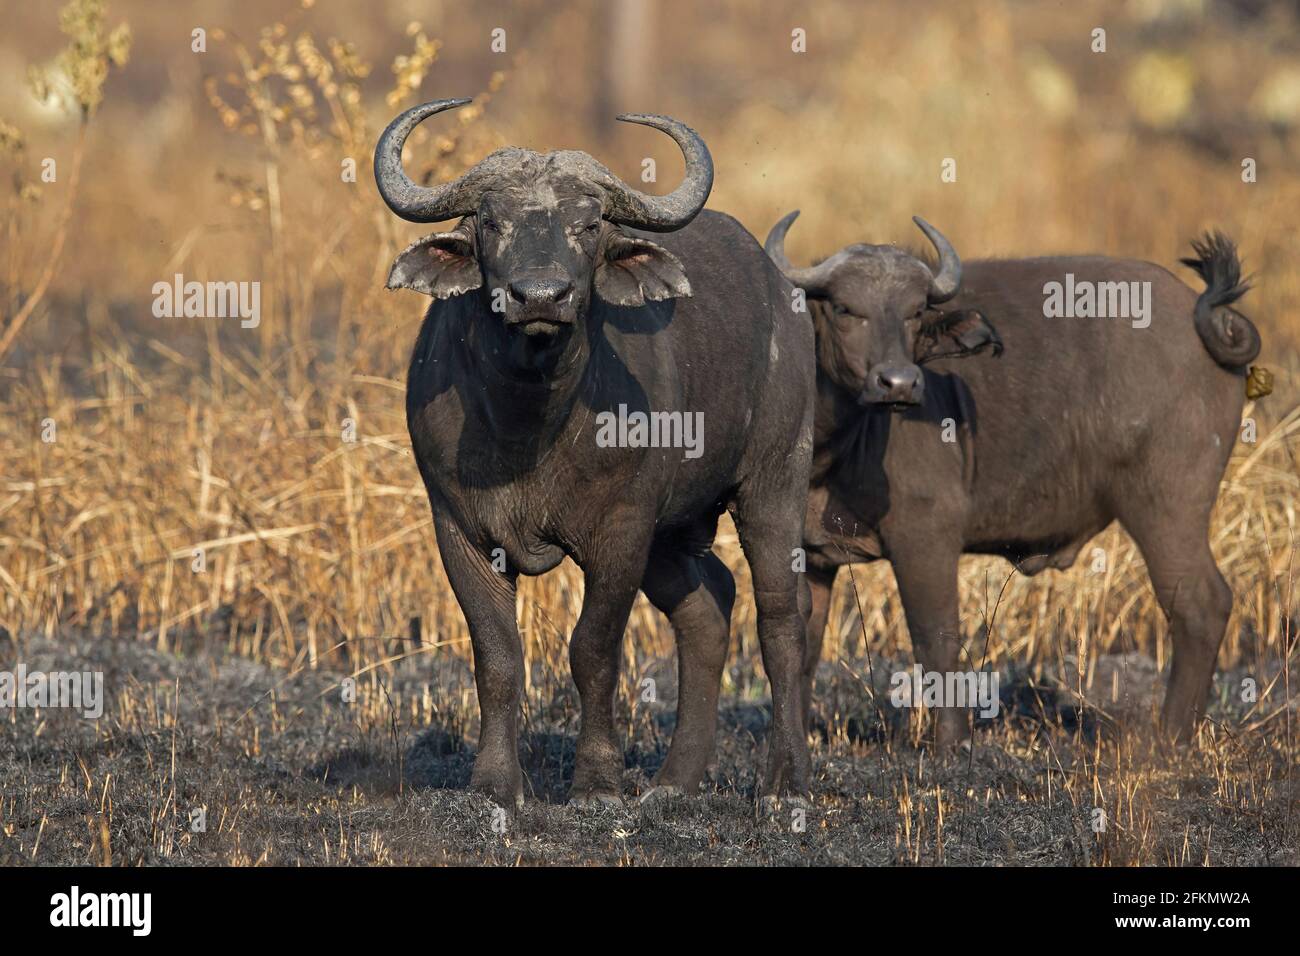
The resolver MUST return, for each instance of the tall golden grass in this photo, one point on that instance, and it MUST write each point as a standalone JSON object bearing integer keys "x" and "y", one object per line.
{"x": 180, "y": 437}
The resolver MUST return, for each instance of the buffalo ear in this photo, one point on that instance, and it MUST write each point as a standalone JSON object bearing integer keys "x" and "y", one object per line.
{"x": 441, "y": 265}
{"x": 633, "y": 271}
{"x": 959, "y": 333}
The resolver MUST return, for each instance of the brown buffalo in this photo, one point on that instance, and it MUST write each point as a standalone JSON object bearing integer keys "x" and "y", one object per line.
{"x": 554, "y": 314}
{"x": 1083, "y": 420}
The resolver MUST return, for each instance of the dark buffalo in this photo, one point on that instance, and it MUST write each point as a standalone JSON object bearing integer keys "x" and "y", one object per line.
{"x": 553, "y": 314}
{"x": 1083, "y": 421}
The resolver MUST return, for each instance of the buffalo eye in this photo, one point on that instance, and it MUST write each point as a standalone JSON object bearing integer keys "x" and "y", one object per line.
{"x": 593, "y": 227}
{"x": 490, "y": 225}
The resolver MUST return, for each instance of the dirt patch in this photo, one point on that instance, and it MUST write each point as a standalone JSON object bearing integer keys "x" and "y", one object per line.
{"x": 284, "y": 770}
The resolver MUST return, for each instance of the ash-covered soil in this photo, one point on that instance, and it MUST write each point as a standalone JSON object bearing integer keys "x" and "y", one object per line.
{"x": 212, "y": 759}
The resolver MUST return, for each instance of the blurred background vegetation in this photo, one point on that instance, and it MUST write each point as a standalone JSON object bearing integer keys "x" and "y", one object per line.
{"x": 1058, "y": 148}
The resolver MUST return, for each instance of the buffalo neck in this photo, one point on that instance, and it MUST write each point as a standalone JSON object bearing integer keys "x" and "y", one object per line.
{"x": 525, "y": 407}
{"x": 848, "y": 438}
{"x": 835, "y": 409}
{"x": 836, "y": 421}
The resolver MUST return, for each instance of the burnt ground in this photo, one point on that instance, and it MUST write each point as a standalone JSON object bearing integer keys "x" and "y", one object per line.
{"x": 288, "y": 773}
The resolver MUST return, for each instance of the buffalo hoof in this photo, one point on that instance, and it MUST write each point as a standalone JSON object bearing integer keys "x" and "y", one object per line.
{"x": 596, "y": 798}
{"x": 950, "y": 729}
{"x": 660, "y": 794}
{"x": 506, "y": 795}
{"x": 776, "y": 809}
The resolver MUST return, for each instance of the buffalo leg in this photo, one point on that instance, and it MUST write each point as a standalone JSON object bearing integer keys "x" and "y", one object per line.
{"x": 769, "y": 522}
{"x": 1196, "y": 601}
{"x": 487, "y": 599}
{"x": 820, "y": 585}
{"x": 696, "y": 594}
{"x": 594, "y": 656}
{"x": 927, "y": 584}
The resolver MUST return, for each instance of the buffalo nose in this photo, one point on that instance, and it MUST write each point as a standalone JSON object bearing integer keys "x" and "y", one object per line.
{"x": 540, "y": 291}
{"x": 897, "y": 383}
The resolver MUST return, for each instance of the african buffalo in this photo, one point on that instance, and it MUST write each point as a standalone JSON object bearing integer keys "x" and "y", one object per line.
{"x": 550, "y": 320}
{"x": 1083, "y": 421}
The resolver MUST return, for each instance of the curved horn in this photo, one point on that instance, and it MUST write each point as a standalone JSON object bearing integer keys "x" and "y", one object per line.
{"x": 626, "y": 206}
{"x": 413, "y": 202}
{"x": 945, "y": 284}
{"x": 812, "y": 279}
{"x": 629, "y": 207}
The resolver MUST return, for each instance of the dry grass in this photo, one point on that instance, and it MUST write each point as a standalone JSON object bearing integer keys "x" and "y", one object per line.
{"x": 318, "y": 560}
{"x": 287, "y": 773}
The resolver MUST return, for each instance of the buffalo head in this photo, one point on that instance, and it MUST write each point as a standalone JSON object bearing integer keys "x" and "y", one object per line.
{"x": 539, "y": 234}
{"x": 878, "y": 316}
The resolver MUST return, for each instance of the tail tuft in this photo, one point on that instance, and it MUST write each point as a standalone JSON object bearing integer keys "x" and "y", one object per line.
{"x": 1230, "y": 338}
{"x": 1217, "y": 264}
